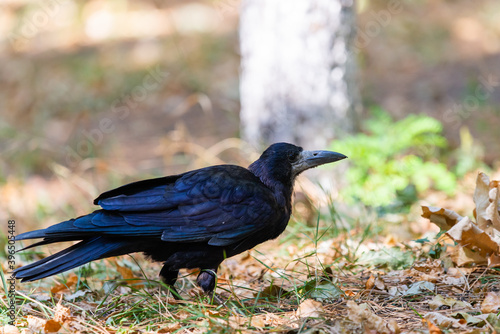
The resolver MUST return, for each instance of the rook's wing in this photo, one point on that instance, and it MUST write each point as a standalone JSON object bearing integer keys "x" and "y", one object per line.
{"x": 220, "y": 204}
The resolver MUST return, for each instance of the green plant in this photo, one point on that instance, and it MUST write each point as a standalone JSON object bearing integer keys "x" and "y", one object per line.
{"x": 390, "y": 156}
{"x": 436, "y": 247}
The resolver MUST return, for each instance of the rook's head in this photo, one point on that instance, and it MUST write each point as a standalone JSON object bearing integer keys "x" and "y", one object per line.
{"x": 283, "y": 162}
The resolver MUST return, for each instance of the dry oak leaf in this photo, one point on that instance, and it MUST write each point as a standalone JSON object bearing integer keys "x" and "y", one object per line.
{"x": 62, "y": 287}
{"x": 439, "y": 301}
{"x": 456, "y": 276}
{"x": 494, "y": 261}
{"x": 169, "y": 328}
{"x": 484, "y": 237}
{"x": 469, "y": 235}
{"x": 420, "y": 287}
{"x": 450, "y": 280}
{"x": 9, "y": 329}
{"x": 239, "y": 322}
{"x": 463, "y": 256}
{"x": 428, "y": 266}
{"x": 375, "y": 281}
{"x": 486, "y": 198}
{"x": 349, "y": 293}
{"x": 363, "y": 315}
{"x": 443, "y": 218}
{"x": 429, "y": 270}
{"x": 39, "y": 325}
{"x": 310, "y": 308}
{"x": 127, "y": 274}
{"x": 36, "y": 324}
{"x": 491, "y": 302}
{"x": 52, "y": 326}
{"x": 433, "y": 329}
{"x": 441, "y": 320}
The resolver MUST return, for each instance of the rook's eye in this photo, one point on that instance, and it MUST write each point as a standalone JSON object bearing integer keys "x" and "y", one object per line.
{"x": 293, "y": 156}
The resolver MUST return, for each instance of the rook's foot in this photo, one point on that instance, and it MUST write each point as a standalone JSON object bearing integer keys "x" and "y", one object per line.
{"x": 207, "y": 279}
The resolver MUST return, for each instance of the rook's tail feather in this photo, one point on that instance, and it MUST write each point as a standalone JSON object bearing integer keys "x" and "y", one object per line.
{"x": 83, "y": 252}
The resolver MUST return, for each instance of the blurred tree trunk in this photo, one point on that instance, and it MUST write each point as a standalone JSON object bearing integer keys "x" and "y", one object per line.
{"x": 297, "y": 72}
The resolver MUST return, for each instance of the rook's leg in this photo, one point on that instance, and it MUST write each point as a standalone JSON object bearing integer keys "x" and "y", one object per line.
{"x": 169, "y": 277}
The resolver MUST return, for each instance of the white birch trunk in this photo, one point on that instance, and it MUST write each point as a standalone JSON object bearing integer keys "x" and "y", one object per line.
{"x": 297, "y": 80}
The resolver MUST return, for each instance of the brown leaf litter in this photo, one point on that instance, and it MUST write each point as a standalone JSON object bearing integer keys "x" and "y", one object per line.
{"x": 480, "y": 240}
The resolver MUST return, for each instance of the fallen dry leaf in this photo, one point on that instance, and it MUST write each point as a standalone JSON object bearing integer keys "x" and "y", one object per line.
{"x": 210, "y": 313}
{"x": 349, "y": 293}
{"x": 486, "y": 197}
{"x": 420, "y": 287}
{"x": 258, "y": 321}
{"x": 441, "y": 320}
{"x": 467, "y": 319}
{"x": 60, "y": 288}
{"x": 240, "y": 288}
{"x": 36, "y": 324}
{"x": 363, "y": 315}
{"x": 238, "y": 322}
{"x": 443, "y": 218}
{"x": 491, "y": 302}
{"x": 9, "y": 329}
{"x": 61, "y": 315}
{"x": 492, "y": 212}
{"x": 494, "y": 261}
{"x": 452, "y": 303}
{"x": 51, "y": 326}
{"x": 127, "y": 273}
{"x": 428, "y": 266}
{"x": 375, "y": 282}
{"x": 459, "y": 272}
{"x": 398, "y": 290}
{"x": 170, "y": 328}
{"x": 458, "y": 281}
{"x": 482, "y": 237}
{"x": 309, "y": 308}
{"x": 469, "y": 235}
{"x": 463, "y": 256}
{"x": 433, "y": 329}
{"x": 430, "y": 270}
{"x": 481, "y": 198}
{"x": 274, "y": 321}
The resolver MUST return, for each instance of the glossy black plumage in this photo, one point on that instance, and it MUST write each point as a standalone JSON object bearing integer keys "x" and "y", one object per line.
{"x": 191, "y": 220}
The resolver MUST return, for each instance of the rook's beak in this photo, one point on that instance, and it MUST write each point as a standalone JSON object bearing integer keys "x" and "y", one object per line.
{"x": 311, "y": 159}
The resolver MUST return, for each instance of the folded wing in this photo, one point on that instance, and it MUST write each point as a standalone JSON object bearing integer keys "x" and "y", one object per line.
{"x": 220, "y": 205}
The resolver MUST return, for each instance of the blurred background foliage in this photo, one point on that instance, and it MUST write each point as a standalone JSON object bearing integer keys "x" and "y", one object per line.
{"x": 98, "y": 93}
{"x": 394, "y": 156}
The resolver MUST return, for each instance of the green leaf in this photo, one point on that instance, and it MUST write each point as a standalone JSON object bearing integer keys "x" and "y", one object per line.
{"x": 323, "y": 291}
